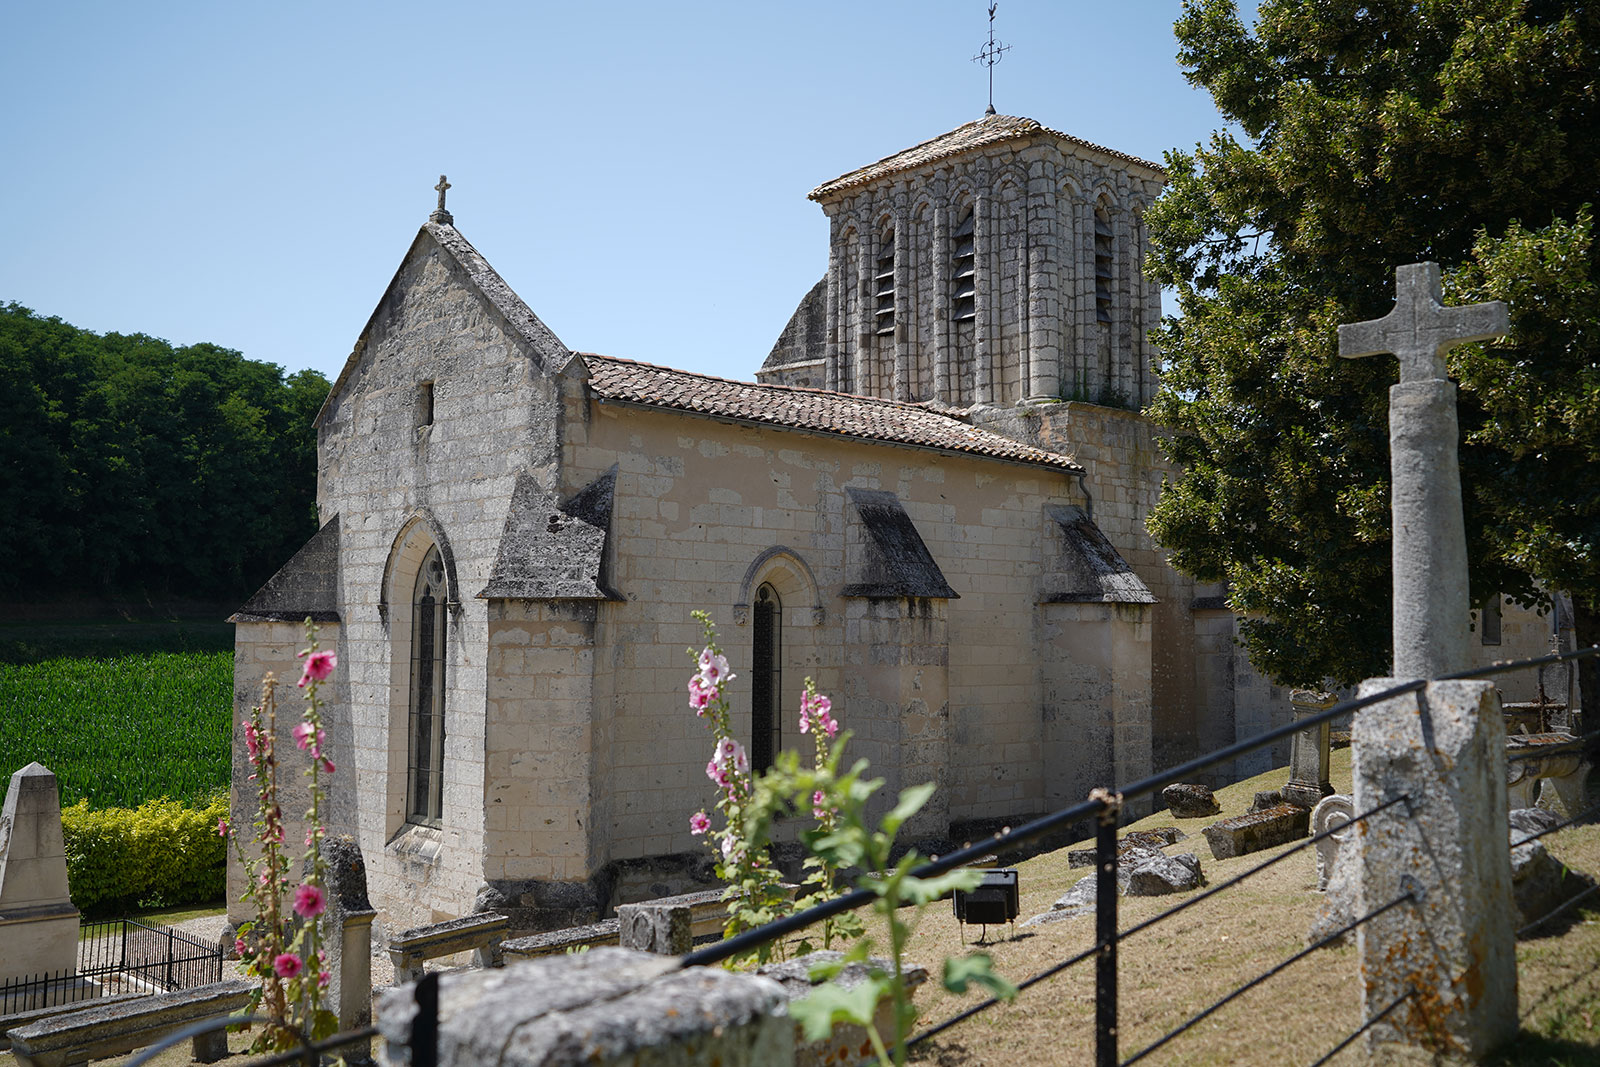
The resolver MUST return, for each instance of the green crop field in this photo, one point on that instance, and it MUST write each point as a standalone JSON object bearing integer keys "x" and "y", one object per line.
{"x": 121, "y": 712}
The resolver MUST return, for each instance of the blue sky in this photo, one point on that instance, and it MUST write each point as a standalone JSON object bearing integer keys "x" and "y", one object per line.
{"x": 251, "y": 175}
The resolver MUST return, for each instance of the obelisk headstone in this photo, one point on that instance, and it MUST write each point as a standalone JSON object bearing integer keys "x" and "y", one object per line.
{"x": 38, "y": 924}
{"x": 1438, "y": 954}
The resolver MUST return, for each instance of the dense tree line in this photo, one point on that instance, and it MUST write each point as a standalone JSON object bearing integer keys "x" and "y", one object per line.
{"x": 129, "y": 466}
{"x": 1377, "y": 134}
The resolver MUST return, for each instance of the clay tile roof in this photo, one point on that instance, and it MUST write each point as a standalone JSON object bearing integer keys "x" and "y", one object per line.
{"x": 812, "y": 410}
{"x": 991, "y": 129}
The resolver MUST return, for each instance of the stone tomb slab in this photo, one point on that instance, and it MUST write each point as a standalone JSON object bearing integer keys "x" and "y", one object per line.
{"x": 1257, "y": 830}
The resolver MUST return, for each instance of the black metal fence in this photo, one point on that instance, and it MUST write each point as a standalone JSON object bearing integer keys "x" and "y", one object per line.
{"x": 1105, "y": 808}
{"x": 121, "y": 956}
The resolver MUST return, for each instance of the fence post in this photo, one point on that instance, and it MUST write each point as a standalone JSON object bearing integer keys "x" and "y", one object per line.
{"x": 425, "y": 1025}
{"x": 1105, "y": 930}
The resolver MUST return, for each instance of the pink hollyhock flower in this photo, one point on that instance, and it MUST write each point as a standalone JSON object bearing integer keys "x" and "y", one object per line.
{"x": 818, "y": 807}
{"x": 699, "y": 823}
{"x": 310, "y": 901}
{"x": 727, "y": 748}
{"x": 700, "y": 697}
{"x": 715, "y": 772}
{"x": 239, "y": 947}
{"x": 729, "y": 849}
{"x": 327, "y": 765}
{"x": 252, "y": 740}
{"x": 714, "y": 670}
{"x": 302, "y": 734}
{"x": 222, "y": 827}
{"x": 318, "y": 666}
{"x": 288, "y": 965}
{"x": 829, "y": 725}
{"x": 322, "y": 979}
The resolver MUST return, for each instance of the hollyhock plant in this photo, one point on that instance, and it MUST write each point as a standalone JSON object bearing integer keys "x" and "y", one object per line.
{"x": 754, "y": 892}
{"x": 279, "y": 943}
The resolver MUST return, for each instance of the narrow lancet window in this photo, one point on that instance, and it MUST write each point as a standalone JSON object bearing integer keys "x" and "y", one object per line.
{"x": 425, "y": 758}
{"x": 766, "y": 686}
{"x": 1490, "y": 618}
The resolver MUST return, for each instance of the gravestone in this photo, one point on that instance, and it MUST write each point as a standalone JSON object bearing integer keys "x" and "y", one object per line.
{"x": 1434, "y": 879}
{"x": 1308, "y": 752}
{"x": 38, "y": 924}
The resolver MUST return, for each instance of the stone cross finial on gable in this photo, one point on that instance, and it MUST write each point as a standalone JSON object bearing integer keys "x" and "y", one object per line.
{"x": 1421, "y": 329}
{"x": 439, "y": 213}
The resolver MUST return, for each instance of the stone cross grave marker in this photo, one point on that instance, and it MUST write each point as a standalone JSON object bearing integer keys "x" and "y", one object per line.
{"x": 1430, "y": 543}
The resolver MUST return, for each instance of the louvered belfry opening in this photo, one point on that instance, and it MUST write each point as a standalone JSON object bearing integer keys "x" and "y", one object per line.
{"x": 426, "y": 726}
{"x": 1102, "y": 266}
{"x": 766, "y": 679}
{"x": 963, "y": 272}
{"x": 883, "y": 286}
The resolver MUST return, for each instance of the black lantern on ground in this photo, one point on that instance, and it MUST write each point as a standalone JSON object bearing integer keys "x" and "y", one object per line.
{"x": 994, "y": 902}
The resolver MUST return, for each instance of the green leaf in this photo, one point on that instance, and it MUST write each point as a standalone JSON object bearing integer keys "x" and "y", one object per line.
{"x": 911, "y": 802}
{"x": 828, "y": 1004}
{"x": 976, "y": 969}
{"x": 922, "y": 890}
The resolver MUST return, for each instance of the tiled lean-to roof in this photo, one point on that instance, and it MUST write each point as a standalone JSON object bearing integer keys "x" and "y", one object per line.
{"x": 812, "y": 410}
{"x": 991, "y": 129}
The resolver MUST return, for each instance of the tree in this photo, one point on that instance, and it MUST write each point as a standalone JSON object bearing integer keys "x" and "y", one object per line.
{"x": 1374, "y": 134}
{"x": 129, "y": 466}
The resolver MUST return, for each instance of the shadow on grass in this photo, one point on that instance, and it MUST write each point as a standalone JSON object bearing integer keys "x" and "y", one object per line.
{"x": 34, "y": 642}
{"x": 1537, "y": 1050}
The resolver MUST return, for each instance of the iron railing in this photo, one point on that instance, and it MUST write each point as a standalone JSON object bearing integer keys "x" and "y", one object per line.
{"x": 125, "y": 955}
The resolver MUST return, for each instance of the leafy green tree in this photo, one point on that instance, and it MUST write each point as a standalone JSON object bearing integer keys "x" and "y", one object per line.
{"x": 129, "y": 466}
{"x": 1372, "y": 134}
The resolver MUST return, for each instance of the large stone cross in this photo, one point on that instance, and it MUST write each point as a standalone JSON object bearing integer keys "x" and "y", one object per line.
{"x": 439, "y": 213}
{"x": 1431, "y": 606}
{"x": 1420, "y": 330}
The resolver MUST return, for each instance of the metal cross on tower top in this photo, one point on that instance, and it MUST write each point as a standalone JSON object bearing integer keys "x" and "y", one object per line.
{"x": 1420, "y": 329}
{"x": 439, "y": 213}
{"x": 991, "y": 54}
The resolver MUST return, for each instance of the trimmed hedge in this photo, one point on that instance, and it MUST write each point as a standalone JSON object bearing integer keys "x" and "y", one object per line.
{"x": 157, "y": 855}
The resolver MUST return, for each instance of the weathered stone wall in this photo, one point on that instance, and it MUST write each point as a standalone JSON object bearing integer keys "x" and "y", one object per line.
{"x": 403, "y": 484}
{"x": 263, "y": 646}
{"x": 705, "y": 511}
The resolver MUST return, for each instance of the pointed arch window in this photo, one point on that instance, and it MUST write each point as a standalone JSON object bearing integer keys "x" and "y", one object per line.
{"x": 1102, "y": 264}
{"x": 963, "y": 271}
{"x": 425, "y": 727}
{"x": 766, "y": 686}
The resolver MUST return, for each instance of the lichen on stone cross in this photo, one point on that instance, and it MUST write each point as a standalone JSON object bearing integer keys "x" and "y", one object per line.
{"x": 1420, "y": 329}
{"x": 441, "y": 187}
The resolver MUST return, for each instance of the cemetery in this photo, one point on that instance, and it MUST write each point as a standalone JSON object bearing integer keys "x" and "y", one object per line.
{"x": 1004, "y": 762}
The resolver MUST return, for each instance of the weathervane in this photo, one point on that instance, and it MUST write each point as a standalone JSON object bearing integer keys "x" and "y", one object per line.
{"x": 990, "y": 55}
{"x": 440, "y": 214}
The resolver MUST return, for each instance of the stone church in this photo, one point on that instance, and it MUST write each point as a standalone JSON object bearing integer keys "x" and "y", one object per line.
{"x": 931, "y": 500}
